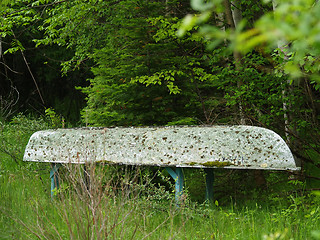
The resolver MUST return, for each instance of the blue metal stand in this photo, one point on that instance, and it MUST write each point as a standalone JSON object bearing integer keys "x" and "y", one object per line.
{"x": 54, "y": 178}
{"x": 177, "y": 175}
{"x": 209, "y": 184}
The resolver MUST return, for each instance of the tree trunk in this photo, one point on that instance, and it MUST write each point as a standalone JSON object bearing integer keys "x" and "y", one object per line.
{"x": 287, "y": 91}
{"x": 233, "y": 19}
{"x": 282, "y": 46}
{"x": 236, "y": 13}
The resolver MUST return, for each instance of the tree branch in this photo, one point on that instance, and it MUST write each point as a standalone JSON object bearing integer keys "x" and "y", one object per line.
{"x": 33, "y": 78}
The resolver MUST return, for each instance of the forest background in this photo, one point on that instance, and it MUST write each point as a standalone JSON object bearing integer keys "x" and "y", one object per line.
{"x": 122, "y": 63}
{"x": 166, "y": 62}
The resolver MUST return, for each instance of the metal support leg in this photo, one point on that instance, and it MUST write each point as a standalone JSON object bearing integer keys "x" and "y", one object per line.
{"x": 54, "y": 178}
{"x": 177, "y": 175}
{"x": 209, "y": 184}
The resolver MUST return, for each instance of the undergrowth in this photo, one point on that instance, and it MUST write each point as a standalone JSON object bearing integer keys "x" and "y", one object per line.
{"x": 123, "y": 208}
{"x": 121, "y": 202}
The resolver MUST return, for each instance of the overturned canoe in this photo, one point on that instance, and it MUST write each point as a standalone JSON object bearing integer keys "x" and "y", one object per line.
{"x": 239, "y": 147}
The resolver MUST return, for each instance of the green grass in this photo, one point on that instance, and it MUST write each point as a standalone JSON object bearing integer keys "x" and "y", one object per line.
{"x": 126, "y": 204}
{"x": 29, "y": 213}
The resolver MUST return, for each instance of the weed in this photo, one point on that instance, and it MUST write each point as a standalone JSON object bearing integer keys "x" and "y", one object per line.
{"x": 122, "y": 202}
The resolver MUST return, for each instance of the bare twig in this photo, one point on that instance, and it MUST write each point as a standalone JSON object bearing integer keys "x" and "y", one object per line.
{"x": 27, "y": 64}
{"x": 8, "y": 102}
{"x": 16, "y": 220}
{"x": 6, "y": 66}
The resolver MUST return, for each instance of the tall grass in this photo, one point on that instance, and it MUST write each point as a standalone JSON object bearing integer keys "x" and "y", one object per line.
{"x": 105, "y": 208}
{"x": 120, "y": 207}
{"x": 118, "y": 202}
